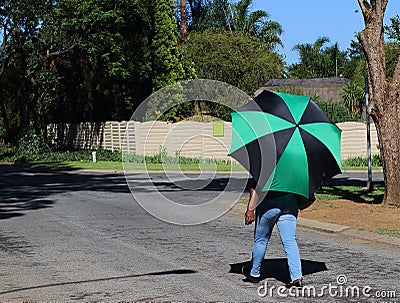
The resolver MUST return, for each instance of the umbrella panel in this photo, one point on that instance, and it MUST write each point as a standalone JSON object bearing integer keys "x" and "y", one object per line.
{"x": 307, "y": 143}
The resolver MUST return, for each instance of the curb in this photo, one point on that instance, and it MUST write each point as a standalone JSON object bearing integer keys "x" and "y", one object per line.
{"x": 321, "y": 226}
{"x": 348, "y": 231}
{"x": 331, "y": 228}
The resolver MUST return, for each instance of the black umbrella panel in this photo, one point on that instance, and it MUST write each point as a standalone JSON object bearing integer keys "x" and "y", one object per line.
{"x": 286, "y": 142}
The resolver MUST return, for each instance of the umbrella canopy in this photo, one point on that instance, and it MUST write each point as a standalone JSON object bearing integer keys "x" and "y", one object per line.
{"x": 286, "y": 142}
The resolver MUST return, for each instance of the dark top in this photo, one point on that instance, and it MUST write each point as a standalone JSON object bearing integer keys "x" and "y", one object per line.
{"x": 286, "y": 202}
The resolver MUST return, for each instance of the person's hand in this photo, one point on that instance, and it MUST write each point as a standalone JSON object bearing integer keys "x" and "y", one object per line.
{"x": 249, "y": 216}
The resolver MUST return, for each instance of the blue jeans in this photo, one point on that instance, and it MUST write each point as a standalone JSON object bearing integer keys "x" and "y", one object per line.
{"x": 286, "y": 224}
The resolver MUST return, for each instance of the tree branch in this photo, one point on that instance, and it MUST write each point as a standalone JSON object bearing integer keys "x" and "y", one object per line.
{"x": 364, "y": 5}
{"x": 59, "y": 53}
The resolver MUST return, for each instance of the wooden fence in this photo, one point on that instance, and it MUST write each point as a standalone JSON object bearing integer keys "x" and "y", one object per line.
{"x": 191, "y": 139}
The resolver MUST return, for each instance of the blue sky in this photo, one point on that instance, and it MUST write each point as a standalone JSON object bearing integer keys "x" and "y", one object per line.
{"x": 304, "y": 21}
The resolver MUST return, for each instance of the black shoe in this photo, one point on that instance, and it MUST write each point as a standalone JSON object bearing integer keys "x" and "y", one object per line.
{"x": 252, "y": 279}
{"x": 245, "y": 271}
{"x": 296, "y": 283}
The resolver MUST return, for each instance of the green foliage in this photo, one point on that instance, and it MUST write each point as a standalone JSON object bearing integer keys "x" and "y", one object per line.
{"x": 318, "y": 60}
{"x": 392, "y": 30}
{"x": 30, "y": 143}
{"x": 355, "y": 67}
{"x": 391, "y": 55}
{"x": 353, "y": 193}
{"x": 45, "y": 155}
{"x": 162, "y": 157}
{"x": 11, "y": 154}
{"x": 352, "y": 97}
{"x": 7, "y": 150}
{"x": 233, "y": 58}
{"x": 235, "y": 16}
{"x": 73, "y": 61}
{"x": 335, "y": 111}
{"x": 167, "y": 67}
{"x": 388, "y": 231}
{"x": 376, "y": 160}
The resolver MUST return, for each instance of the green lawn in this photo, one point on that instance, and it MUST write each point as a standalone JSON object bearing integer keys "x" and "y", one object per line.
{"x": 353, "y": 193}
{"x": 107, "y": 165}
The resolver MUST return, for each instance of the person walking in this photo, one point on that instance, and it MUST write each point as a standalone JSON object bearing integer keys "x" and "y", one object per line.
{"x": 280, "y": 209}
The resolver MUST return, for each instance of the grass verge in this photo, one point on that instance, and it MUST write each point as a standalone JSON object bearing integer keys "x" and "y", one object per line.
{"x": 352, "y": 193}
{"x": 109, "y": 165}
{"x": 390, "y": 232}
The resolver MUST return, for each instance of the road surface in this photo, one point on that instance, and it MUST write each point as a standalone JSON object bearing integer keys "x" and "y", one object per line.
{"x": 81, "y": 237}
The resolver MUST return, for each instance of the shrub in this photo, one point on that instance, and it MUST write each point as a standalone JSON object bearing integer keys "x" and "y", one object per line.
{"x": 335, "y": 111}
{"x": 376, "y": 160}
{"x": 30, "y": 143}
{"x": 15, "y": 155}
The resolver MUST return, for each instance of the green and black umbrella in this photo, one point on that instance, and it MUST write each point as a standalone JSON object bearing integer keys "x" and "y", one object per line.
{"x": 286, "y": 142}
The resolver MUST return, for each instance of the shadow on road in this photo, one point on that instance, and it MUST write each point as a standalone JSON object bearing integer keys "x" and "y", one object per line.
{"x": 24, "y": 188}
{"x": 278, "y": 268}
{"x": 160, "y": 273}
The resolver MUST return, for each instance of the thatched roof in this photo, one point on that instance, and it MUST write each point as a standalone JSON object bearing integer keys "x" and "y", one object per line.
{"x": 328, "y": 89}
{"x": 301, "y": 82}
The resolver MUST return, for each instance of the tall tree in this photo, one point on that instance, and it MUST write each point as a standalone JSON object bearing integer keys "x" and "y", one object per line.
{"x": 384, "y": 102}
{"x": 166, "y": 65}
{"x": 72, "y": 61}
{"x": 393, "y": 29}
{"x": 183, "y": 19}
{"x": 19, "y": 23}
{"x": 318, "y": 60}
{"x": 231, "y": 57}
{"x": 236, "y": 16}
{"x": 256, "y": 23}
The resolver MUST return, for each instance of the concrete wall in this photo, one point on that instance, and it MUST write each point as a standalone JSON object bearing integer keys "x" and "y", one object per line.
{"x": 190, "y": 139}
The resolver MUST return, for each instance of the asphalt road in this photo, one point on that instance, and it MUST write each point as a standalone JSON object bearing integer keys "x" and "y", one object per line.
{"x": 82, "y": 237}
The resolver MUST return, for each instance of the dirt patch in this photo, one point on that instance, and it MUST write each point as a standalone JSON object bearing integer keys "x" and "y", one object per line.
{"x": 364, "y": 216}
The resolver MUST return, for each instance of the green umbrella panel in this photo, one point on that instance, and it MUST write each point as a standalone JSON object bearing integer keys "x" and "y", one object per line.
{"x": 286, "y": 142}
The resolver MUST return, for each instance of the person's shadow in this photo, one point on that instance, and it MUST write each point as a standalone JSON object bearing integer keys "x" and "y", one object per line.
{"x": 279, "y": 269}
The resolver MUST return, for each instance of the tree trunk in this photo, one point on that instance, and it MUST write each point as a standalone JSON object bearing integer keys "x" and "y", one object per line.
{"x": 183, "y": 20}
{"x": 388, "y": 127}
{"x": 384, "y": 105}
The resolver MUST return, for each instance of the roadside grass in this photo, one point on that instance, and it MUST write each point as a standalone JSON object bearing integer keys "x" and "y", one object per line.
{"x": 390, "y": 232}
{"x": 359, "y": 168}
{"x": 353, "y": 193}
{"x": 119, "y": 166}
{"x": 394, "y": 232}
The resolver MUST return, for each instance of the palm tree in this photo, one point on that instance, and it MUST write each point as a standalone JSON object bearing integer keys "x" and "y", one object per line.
{"x": 352, "y": 97}
{"x": 313, "y": 60}
{"x": 255, "y": 23}
{"x": 223, "y": 14}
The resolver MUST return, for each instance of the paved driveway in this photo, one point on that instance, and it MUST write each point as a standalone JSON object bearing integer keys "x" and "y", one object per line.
{"x": 80, "y": 236}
